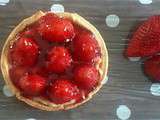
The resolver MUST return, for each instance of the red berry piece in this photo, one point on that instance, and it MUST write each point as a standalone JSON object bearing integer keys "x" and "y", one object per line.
{"x": 86, "y": 76}
{"x": 26, "y": 52}
{"x": 59, "y": 59}
{"x": 63, "y": 90}
{"x": 146, "y": 40}
{"x": 16, "y": 73}
{"x": 55, "y": 29}
{"x": 85, "y": 46}
{"x": 27, "y": 45}
{"x": 152, "y": 68}
{"x": 32, "y": 84}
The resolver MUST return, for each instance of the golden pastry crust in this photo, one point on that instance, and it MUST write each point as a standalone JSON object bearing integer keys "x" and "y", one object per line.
{"x": 38, "y": 102}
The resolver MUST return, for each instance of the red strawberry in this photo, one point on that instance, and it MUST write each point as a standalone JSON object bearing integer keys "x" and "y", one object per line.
{"x": 16, "y": 73}
{"x": 86, "y": 76}
{"x": 146, "y": 40}
{"x": 152, "y": 68}
{"x": 85, "y": 46}
{"x": 26, "y": 52}
{"x": 27, "y": 45}
{"x": 55, "y": 29}
{"x": 59, "y": 59}
{"x": 63, "y": 90}
{"x": 32, "y": 84}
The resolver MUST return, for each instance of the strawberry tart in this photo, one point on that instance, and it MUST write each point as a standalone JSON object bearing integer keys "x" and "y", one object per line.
{"x": 54, "y": 61}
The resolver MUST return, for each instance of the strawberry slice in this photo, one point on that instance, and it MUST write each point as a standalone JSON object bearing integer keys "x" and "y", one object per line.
{"x": 152, "y": 68}
{"x": 86, "y": 76}
{"x": 55, "y": 29}
{"x": 63, "y": 90}
{"x": 146, "y": 40}
{"x": 59, "y": 59}
{"x": 32, "y": 84}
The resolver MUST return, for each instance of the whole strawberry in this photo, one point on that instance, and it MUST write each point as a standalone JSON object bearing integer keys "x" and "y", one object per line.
{"x": 85, "y": 46}
{"x": 152, "y": 68}
{"x": 26, "y": 52}
{"x": 86, "y": 76}
{"x": 146, "y": 40}
{"x": 55, "y": 29}
{"x": 32, "y": 84}
{"x": 63, "y": 90}
{"x": 59, "y": 59}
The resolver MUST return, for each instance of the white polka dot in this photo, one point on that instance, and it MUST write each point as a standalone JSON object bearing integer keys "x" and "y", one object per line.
{"x": 112, "y": 20}
{"x": 57, "y": 8}
{"x": 4, "y": 2}
{"x": 145, "y": 1}
{"x": 7, "y": 92}
{"x": 134, "y": 59}
{"x": 104, "y": 81}
{"x": 123, "y": 112}
{"x": 155, "y": 89}
{"x": 30, "y": 119}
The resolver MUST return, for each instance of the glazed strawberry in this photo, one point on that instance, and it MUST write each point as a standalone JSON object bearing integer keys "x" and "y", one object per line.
{"x": 85, "y": 46}
{"x": 32, "y": 84}
{"x": 55, "y": 29}
{"x": 63, "y": 90}
{"x": 27, "y": 45}
{"x": 152, "y": 68}
{"x": 26, "y": 52}
{"x": 86, "y": 76}
{"x": 59, "y": 59}
{"x": 16, "y": 73}
{"x": 146, "y": 40}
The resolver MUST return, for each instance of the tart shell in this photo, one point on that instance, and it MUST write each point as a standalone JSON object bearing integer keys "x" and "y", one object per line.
{"x": 40, "y": 103}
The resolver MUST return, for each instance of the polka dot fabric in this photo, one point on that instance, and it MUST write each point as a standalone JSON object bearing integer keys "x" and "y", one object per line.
{"x": 123, "y": 112}
{"x": 4, "y": 2}
{"x": 105, "y": 80}
{"x": 145, "y": 2}
{"x": 30, "y": 119}
{"x": 112, "y": 20}
{"x": 57, "y": 8}
{"x": 127, "y": 93}
{"x": 7, "y": 92}
{"x": 155, "y": 89}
